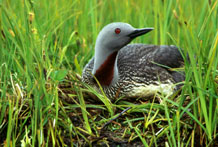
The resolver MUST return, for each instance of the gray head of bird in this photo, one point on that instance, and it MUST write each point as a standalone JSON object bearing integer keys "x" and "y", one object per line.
{"x": 116, "y": 35}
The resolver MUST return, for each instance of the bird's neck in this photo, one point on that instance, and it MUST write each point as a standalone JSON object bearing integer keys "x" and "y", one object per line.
{"x": 105, "y": 66}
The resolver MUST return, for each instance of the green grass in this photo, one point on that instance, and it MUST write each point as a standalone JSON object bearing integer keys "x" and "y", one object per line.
{"x": 45, "y": 44}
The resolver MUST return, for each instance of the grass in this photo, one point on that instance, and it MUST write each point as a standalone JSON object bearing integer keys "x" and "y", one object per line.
{"x": 44, "y": 45}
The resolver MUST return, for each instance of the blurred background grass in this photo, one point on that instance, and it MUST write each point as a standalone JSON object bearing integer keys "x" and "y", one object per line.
{"x": 44, "y": 44}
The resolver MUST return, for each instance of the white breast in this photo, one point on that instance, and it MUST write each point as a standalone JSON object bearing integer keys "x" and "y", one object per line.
{"x": 149, "y": 90}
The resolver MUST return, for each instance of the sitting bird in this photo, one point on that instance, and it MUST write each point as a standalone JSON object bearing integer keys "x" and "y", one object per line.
{"x": 132, "y": 70}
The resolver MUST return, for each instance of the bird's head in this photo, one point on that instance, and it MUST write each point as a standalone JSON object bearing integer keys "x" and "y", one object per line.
{"x": 116, "y": 35}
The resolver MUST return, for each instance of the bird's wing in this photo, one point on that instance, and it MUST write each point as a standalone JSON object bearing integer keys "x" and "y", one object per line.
{"x": 141, "y": 54}
{"x": 168, "y": 56}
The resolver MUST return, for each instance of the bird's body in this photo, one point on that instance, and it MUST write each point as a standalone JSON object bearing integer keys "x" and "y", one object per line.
{"x": 135, "y": 70}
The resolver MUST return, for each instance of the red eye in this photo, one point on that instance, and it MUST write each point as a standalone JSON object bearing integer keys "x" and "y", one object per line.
{"x": 117, "y": 30}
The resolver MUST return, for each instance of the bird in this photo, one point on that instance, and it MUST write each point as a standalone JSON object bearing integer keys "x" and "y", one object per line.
{"x": 132, "y": 70}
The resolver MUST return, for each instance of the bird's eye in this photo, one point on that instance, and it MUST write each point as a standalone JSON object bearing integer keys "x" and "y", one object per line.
{"x": 117, "y": 30}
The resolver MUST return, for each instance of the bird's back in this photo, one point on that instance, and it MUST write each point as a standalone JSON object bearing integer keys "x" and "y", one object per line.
{"x": 146, "y": 61}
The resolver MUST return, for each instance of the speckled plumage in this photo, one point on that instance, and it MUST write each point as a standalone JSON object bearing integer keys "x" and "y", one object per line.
{"x": 139, "y": 67}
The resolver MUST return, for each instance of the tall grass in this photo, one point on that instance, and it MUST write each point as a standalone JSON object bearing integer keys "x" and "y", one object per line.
{"x": 45, "y": 44}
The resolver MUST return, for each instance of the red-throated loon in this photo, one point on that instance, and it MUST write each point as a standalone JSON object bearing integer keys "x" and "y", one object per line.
{"x": 135, "y": 70}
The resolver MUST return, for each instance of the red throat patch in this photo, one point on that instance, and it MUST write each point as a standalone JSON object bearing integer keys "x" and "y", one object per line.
{"x": 105, "y": 72}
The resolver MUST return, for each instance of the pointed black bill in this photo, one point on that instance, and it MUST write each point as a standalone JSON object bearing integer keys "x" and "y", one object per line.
{"x": 139, "y": 32}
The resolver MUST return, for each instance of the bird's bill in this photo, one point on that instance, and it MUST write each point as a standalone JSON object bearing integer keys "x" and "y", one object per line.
{"x": 139, "y": 32}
